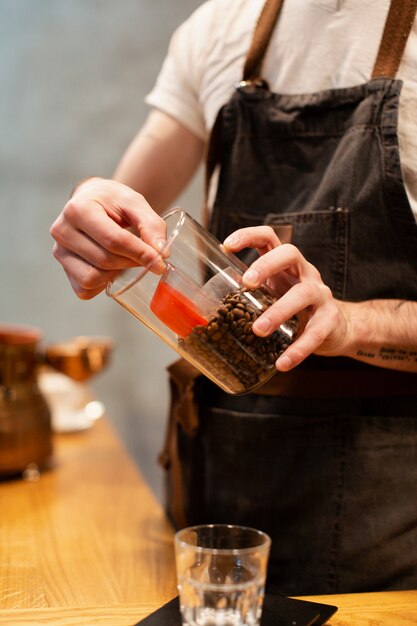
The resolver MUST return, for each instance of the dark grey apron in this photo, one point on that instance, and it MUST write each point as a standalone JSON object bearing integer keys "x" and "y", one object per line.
{"x": 333, "y": 478}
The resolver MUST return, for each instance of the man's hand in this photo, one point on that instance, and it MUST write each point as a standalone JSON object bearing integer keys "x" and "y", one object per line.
{"x": 93, "y": 242}
{"x": 379, "y": 332}
{"x": 93, "y": 238}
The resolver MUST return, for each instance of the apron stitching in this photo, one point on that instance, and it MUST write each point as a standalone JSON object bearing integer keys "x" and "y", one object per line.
{"x": 333, "y": 576}
{"x": 291, "y": 133}
{"x": 377, "y": 102}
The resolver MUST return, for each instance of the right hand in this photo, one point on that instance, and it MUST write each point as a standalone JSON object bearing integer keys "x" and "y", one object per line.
{"x": 92, "y": 234}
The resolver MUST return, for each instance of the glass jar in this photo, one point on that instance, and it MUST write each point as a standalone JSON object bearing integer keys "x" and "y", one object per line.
{"x": 192, "y": 297}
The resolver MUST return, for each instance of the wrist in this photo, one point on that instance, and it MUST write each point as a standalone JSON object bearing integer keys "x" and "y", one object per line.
{"x": 344, "y": 338}
{"x": 81, "y": 182}
{"x": 357, "y": 327}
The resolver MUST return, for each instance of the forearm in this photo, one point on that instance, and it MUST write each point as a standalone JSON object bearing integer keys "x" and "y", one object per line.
{"x": 93, "y": 233}
{"x": 160, "y": 161}
{"x": 382, "y": 333}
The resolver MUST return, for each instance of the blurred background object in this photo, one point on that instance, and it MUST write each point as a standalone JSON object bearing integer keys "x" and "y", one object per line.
{"x": 25, "y": 418}
{"x": 73, "y": 76}
{"x": 79, "y": 358}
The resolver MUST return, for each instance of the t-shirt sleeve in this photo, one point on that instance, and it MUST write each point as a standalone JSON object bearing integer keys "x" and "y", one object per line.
{"x": 176, "y": 91}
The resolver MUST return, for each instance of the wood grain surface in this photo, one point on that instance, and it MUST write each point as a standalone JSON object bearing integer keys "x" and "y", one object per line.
{"x": 89, "y": 533}
{"x": 89, "y": 544}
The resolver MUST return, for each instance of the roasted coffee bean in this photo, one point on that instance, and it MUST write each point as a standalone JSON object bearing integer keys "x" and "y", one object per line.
{"x": 229, "y": 349}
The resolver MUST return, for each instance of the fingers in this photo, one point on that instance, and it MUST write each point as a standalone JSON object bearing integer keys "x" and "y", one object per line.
{"x": 318, "y": 315}
{"x": 86, "y": 280}
{"x": 305, "y": 295}
{"x": 93, "y": 242}
{"x": 308, "y": 297}
{"x": 131, "y": 208}
{"x": 104, "y": 220}
{"x": 297, "y": 299}
{"x": 263, "y": 238}
{"x": 86, "y": 230}
{"x": 285, "y": 257}
{"x": 316, "y": 332}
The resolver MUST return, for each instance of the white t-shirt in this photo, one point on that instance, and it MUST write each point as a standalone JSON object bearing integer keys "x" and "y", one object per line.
{"x": 317, "y": 44}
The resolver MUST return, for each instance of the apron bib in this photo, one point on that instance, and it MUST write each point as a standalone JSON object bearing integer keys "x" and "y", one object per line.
{"x": 331, "y": 479}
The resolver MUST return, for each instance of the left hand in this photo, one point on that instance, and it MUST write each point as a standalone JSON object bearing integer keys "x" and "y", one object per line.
{"x": 323, "y": 319}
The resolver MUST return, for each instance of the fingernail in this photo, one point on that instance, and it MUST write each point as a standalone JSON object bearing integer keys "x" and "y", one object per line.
{"x": 158, "y": 266}
{"x": 284, "y": 363}
{"x": 160, "y": 243}
{"x": 231, "y": 240}
{"x": 263, "y": 326}
{"x": 251, "y": 277}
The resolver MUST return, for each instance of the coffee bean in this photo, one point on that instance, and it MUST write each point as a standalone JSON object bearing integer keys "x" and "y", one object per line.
{"x": 227, "y": 347}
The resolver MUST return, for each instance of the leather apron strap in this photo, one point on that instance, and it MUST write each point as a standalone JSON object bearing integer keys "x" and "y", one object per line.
{"x": 265, "y": 26}
{"x": 251, "y": 74}
{"x": 397, "y": 28}
{"x": 396, "y": 31}
{"x": 398, "y": 25}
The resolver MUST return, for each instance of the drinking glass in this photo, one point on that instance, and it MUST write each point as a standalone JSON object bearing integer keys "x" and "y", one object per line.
{"x": 221, "y": 573}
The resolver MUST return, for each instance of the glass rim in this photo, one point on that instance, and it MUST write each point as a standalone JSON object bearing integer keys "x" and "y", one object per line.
{"x": 265, "y": 545}
{"x": 145, "y": 269}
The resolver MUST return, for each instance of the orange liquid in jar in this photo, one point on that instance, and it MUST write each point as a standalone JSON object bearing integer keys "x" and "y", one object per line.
{"x": 175, "y": 310}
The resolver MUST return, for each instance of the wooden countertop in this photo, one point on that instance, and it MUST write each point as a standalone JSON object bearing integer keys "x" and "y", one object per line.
{"x": 89, "y": 544}
{"x": 88, "y": 534}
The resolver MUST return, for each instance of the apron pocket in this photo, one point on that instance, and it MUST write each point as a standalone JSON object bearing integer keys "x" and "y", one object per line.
{"x": 322, "y": 237}
{"x": 331, "y": 480}
{"x": 281, "y": 474}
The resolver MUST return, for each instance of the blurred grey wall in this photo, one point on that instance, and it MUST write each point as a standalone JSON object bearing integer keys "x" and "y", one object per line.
{"x": 73, "y": 74}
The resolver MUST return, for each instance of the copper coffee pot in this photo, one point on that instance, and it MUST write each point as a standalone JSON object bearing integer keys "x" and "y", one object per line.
{"x": 80, "y": 358}
{"x": 25, "y": 419}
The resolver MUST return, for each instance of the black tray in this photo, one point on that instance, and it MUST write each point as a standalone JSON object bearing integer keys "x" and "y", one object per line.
{"x": 277, "y": 611}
